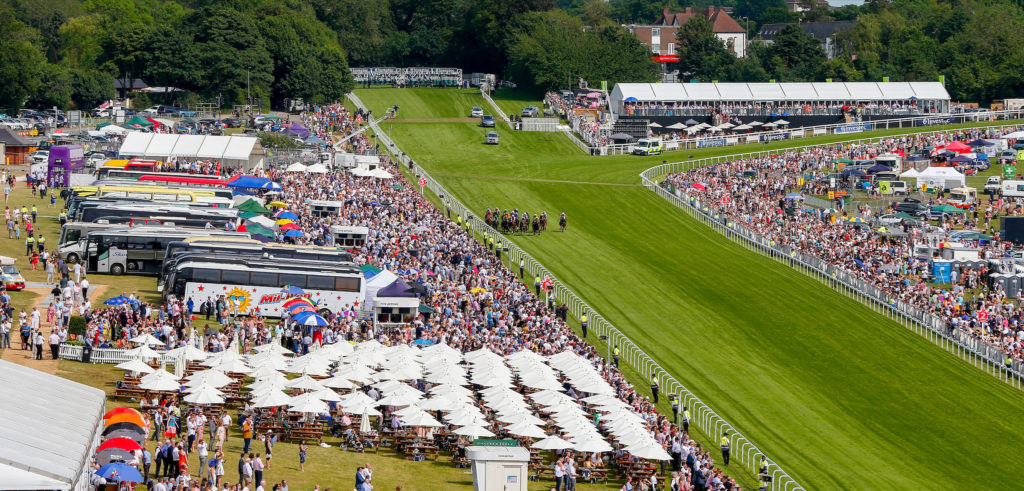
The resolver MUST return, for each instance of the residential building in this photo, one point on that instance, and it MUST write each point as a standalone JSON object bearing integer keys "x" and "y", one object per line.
{"x": 822, "y": 31}
{"x": 660, "y": 36}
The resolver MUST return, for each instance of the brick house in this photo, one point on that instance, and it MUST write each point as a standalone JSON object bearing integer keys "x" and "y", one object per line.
{"x": 660, "y": 36}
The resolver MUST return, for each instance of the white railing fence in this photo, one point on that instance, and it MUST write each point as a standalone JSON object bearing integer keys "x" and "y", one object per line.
{"x": 704, "y": 417}
{"x": 97, "y": 355}
{"x": 932, "y": 327}
{"x": 494, "y": 105}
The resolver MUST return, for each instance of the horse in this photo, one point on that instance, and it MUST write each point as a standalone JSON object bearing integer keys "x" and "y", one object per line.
{"x": 561, "y": 222}
{"x": 536, "y": 226}
{"x": 543, "y": 222}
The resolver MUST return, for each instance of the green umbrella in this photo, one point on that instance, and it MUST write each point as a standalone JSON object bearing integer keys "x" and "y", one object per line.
{"x": 426, "y": 309}
{"x": 253, "y": 206}
{"x": 255, "y": 228}
{"x": 975, "y": 236}
{"x": 367, "y": 267}
{"x": 248, "y": 214}
{"x": 139, "y": 120}
{"x": 905, "y": 216}
{"x": 842, "y": 161}
{"x": 948, "y": 209}
{"x": 272, "y": 116}
{"x": 103, "y": 125}
{"x": 188, "y": 121}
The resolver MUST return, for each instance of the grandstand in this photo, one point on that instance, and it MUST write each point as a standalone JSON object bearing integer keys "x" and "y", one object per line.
{"x": 408, "y": 77}
{"x": 802, "y": 104}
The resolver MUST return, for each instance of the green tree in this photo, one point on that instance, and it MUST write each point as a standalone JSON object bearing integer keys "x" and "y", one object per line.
{"x": 54, "y": 88}
{"x": 776, "y": 15}
{"x": 90, "y": 88}
{"x": 230, "y": 54}
{"x": 702, "y": 55}
{"x": 795, "y": 55}
{"x": 21, "y": 62}
{"x": 753, "y": 9}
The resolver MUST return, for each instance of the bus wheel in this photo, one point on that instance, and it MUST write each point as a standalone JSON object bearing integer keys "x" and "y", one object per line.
{"x": 117, "y": 270}
{"x": 72, "y": 258}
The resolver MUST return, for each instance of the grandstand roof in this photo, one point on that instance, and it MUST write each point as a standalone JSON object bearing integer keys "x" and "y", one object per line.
{"x": 798, "y": 91}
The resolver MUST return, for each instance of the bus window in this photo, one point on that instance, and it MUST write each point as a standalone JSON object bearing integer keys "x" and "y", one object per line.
{"x": 264, "y": 279}
{"x": 296, "y": 280}
{"x": 139, "y": 243}
{"x": 320, "y": 282}
{"x": 346, "y": 284}
{"x": 206, "y": 276}
{"x": 232, "y": 277}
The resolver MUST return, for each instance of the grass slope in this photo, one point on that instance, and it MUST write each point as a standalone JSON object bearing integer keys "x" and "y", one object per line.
{"x": 841, "y": 397}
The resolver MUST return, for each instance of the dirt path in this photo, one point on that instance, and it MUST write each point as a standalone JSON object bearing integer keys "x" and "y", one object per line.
{"x": 534, "y": 179}
{"x": 25, "y": 357}
{"x": 434, "y": 120}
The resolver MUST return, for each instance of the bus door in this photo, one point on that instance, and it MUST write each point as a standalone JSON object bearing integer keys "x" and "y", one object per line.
{"x": 97, "y": 251}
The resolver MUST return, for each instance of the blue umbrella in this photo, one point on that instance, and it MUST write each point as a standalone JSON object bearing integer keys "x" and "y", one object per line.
{"x": 121, "y": 300}
{"x": 293, "y": 290}
{"x": 310, "y": 319}
{"x": 293, "y": 233}
{"x": 631, "y": 99}
{"x": 287, "y": 214}
{"x": 119, "y": 472}
{"x": 423, "y": 342}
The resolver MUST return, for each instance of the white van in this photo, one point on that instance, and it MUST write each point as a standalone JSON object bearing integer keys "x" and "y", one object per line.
{"x": 892, "y": 160}
{"x": 962, "y": 197}
{"x": 896, "y": 188}
{"x": 1012, "y": 188}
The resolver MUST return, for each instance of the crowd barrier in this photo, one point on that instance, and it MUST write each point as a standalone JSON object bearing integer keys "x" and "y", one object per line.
{"x": 494, "y": 105}
{"x": 97, "y": 355}
{"x": 969, "y": 348}
{"x": 702, "y": 416}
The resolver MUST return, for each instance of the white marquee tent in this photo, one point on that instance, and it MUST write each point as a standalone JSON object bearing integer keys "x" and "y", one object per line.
{"x": 230, "y": 150}
{"x": 50, "y": 429}
{"x": 946, "y": 177}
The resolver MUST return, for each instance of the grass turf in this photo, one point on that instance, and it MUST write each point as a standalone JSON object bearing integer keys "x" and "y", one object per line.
{"x": 839, "y": 396}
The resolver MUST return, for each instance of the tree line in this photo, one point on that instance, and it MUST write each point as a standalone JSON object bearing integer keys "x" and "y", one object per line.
{"x": 67, "y": 53}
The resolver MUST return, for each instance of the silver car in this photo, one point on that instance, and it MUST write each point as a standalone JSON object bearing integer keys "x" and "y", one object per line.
{"x": 530, "y": 112}
{"x": 476, "y": 112}
{"x": 492, "y": 138}
{"x": 39, "y": 157}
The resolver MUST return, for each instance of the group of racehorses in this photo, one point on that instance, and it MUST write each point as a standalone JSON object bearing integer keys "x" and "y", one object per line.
{"x": 515, "y": 221}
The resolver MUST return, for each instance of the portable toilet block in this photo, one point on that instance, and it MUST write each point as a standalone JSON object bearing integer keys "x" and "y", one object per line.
{"x": 499, "y": 468}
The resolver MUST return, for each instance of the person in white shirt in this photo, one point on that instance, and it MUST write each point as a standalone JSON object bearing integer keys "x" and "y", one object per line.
{"x": 54, "y": 344}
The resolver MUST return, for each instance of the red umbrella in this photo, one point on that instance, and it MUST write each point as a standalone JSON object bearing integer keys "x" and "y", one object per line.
{"x": 290, "y": 226}
{"x": 120, "y": 410}
{"x": 958, "y": 147}
{"x": 121, "y": 443}
{"x": 698, "y": 186}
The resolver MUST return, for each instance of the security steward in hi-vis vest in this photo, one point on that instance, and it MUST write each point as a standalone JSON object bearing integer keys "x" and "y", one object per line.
{"x": 686, "y": 419}
{"x": 725, "y": 447}
{"x": 615, "y": 356}
{"x": 41, "y": 244}
{"x": 30, "y": 242}
{"x": 583, "y": 325}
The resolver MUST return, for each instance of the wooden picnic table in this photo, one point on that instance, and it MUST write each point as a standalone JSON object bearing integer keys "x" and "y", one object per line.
{"x": 422, "y": 449}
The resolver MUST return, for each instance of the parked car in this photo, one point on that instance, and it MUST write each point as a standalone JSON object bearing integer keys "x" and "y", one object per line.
{"x": 11, "y": 277}
{"x": 476, "y": 112}
{"x": 208, "y": 121}
{"x": 232, "y": 122}
{"x": 39, "y": 157}
{"x": 169, "y": 110}
{"x": 152, "y": 110}
{"x": 911, "y": 208}
{"x": 185, "y": 113}
{"x": 1010, "y": 155}
{"x": 993, "y": 184}
{"x": 530, "y": 112}
{"x": 487, "y": 121}
{"x": 492, "y": 138}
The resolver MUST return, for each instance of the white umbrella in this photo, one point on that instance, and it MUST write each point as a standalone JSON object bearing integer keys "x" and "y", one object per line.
{"x": 205, "y": 395}
{"x": 355, "y": 373}
{"x": 364, "y": 422}
{"x": 136, "y": 365}
{"x": 591, "y": 445}
{"x": 296, "y": 167}
{"x": 308, "y": 403}
{"x": 273, "y": 347}
{"x": 521, "y": 418}
{"x": 726, "y": 125}
{"x": 161, "y": 384}
{"x": 327, "y": 395}
{"x": 233, "y": 365}
{"x": 265, "y": 371}
{"x": 755, "y": 123}
{"x": 782, "y": 122}
{"x": 360, "y": 409}
{"x": 445, "y": 389}
{"x": 676, "y": 126}
{"x": 147, "y": 339}
{"x": 191, "y": 353}
{"x": 305, "y": 382}
{"x": 649, "y": 452}
{"x": 397, "y": 400}
{"x": 338, "y": 383}
{"x": 272, "y": 398}
{"x": 742, "y": 127}
{"x": 474, "y": 431}
{"x": 552, "y": 442}
{"x": 143, "y": 352}
{"x": 268, "y": 361}
{"x": 439, "y": 403}
{"x": 769, "y": 125}
{"x": 215, "y": 378}
{"x": 654, "y": 125}
{"x": 356, "y": 399}
{"x": 317, "y": 169}
{"x": 526, "y": 429}
{"x": 549, "y": 397}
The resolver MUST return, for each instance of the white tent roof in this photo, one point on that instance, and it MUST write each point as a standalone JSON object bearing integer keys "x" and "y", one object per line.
{"x": 140, "y": 144}
{"x": 136, "y": 143}
{"x": 57, "y": 449}
{"x": 239, "y": 148}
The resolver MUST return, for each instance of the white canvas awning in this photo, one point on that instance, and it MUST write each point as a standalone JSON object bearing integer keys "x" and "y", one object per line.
{"x": 187, "y": 146}
{"x": 56, "y": 452}
{"x": 239, "y": 148}
{"x": 136, "y": 143}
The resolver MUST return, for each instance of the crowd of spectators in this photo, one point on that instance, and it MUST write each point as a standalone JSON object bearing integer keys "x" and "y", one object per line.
{"x": 591, "y": 131}
{"x": 477, "y": 301}
{"x": 753, "y": 193}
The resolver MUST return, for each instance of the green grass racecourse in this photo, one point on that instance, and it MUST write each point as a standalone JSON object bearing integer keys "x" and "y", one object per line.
{"x": 839, "y": 396}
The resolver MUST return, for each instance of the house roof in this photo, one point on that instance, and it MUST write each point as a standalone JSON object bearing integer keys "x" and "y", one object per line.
{"x": 133, "y": 84}
{"x": 721, "y": 22}
{"x": 820, "y": 30}
{"x": 10, "y": 139}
